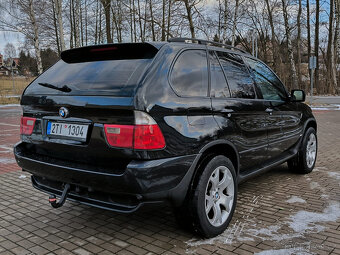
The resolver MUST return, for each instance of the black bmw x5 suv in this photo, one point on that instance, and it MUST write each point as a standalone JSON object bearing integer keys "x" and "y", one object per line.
{"x": 122, "y": 125}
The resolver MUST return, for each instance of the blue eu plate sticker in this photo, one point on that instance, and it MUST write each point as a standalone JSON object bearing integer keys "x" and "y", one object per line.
{"x": 49, "y": 128}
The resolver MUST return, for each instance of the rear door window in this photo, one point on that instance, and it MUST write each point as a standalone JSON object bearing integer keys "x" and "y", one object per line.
{"x": 240, "y": 83}
{"x": 218, "y": 83}
{"x": 189, "y": 76}
{"x": 270, "y": 86}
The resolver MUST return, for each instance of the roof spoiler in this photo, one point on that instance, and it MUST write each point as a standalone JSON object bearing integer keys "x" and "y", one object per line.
{"x": 103, "y": 52}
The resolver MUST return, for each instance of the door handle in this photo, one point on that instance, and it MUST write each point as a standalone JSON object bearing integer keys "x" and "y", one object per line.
{"x": 269, "y": 110}
{"x": 227, "y": 110}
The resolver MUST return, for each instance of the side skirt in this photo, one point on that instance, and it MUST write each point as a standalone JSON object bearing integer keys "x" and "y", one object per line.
{"x": 270, "y": 164}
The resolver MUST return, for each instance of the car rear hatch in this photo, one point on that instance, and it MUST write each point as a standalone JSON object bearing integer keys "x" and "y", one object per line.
{"x": 68, "y": 106}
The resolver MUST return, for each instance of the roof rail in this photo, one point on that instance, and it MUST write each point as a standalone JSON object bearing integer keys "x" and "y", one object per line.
{"x": 205, "y": 42}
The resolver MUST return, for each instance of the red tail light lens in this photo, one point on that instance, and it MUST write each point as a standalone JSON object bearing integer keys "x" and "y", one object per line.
{"x": 119, "y": 135}
{"x": 148, "y": 137}
{"x": 27, "y": 125}
{"x": 144, "y": 135}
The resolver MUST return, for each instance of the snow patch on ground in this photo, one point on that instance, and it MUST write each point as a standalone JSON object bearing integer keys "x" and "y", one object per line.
{"x": 271, "y": 233}
{"x": 9, "y": 105}
{"x": 301, "y": 223}
{"x": 295, "y": 199}
{"x": 335, "y": 175}
{"x": 290, "y": 251}
{"x": 305, "y": 221}
{"x": 7, "y": 161}
{"x": 320, "y": 168}
{"x": 314, "y": 185}
{"x": 334, "y": 107}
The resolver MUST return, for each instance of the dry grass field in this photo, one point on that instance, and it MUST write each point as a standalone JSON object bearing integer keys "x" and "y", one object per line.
{"x": 8, "y": 92}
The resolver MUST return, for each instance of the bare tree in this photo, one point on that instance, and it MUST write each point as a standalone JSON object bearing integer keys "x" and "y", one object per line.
{"x": 233, "y": 34}
{"x": 24, "y": 23}
{"x": 10, "y": 51}
{"x": 289, "y": 45}
{"x": 309, "y": 46}
{"x": 107, "y": 10}
{"x": 189, "y": 5}
{"x": 316, "y": 42}
{"x": 298, "y": 24}
{"x": 331, "y": 68}
{"x": 36, "y": 34}
{"x": 273, "y": 40}
{"x": 337, "y": 30}
{"x": 58, "y": 10}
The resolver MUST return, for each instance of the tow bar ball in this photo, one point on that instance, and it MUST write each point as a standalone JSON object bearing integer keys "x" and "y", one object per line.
{"x": 53, "y": 200}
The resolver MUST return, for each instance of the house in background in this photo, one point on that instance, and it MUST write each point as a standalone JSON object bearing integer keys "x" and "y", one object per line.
{"x": 8, "y": 65}
{"x": 5, "y": 71}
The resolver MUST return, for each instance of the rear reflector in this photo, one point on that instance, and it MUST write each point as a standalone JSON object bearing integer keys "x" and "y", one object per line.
{"x": 119, "y": 135}
{"x": 144, "y": 135}
{"x": 27, "y": 125}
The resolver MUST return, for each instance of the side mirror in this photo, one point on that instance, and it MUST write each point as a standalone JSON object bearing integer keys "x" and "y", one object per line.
{"x": 298, "y": 95}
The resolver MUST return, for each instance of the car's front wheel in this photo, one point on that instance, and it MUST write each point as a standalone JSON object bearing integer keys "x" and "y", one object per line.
{"x": 212, "y": 200}
{"x": 304, "y": 161}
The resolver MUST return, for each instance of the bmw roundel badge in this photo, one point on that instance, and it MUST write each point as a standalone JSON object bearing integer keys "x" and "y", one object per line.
{"x": 63, "y": 112}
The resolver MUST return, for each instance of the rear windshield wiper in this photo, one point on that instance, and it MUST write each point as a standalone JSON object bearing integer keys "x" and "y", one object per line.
{"x": 64, "y": 88}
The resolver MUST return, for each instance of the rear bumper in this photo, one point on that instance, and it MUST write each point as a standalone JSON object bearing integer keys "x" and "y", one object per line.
{"x": 141, "y": 182}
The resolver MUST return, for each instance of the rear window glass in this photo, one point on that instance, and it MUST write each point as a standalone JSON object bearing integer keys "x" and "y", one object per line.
{"x": 110, "y": 69}
{"x": 110, "y": 77}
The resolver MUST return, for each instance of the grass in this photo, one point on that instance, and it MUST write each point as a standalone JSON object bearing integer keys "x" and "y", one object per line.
{"x": 7, "y": 90}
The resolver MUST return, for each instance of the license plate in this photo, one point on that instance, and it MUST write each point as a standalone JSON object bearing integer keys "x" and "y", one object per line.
{"x": 67, "y": 130}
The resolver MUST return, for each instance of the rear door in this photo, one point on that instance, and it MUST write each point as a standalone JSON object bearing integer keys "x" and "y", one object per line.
{"x": 189, "y": 80}
{"x": 240, "y": 115}
{"x": 284, "y": 119}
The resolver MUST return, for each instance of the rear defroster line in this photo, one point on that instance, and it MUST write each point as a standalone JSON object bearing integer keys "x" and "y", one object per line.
{"x": 53, "y": 200}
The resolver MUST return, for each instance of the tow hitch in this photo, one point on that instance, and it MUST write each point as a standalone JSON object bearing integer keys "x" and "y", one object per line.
{"x": 53, "y": 200}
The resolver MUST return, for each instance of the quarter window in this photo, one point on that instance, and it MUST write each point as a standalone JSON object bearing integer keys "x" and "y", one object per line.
{"x": 189, "y": 75}
{"x": 270, "y": 86}
{"x": 240, "y": 83}
{"x": 219, "y": 86}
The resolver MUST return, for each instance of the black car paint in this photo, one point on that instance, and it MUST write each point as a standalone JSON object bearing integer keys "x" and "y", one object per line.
{"x": 192, "y": 128}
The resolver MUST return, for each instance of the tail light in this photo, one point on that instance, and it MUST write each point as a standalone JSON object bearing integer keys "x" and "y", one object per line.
{"x": 119, "y": 135}
{"x": 27, "y": 125}
{"x": 144, "y": 135}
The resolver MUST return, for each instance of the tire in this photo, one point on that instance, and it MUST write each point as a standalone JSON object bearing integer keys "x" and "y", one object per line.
{"x": 304, "y": 161}
{"x": 214, "y": 190}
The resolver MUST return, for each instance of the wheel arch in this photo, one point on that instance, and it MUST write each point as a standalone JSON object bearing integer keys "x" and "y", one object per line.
{"x": 311, "y": 122}
{"x": 219, "y": 147}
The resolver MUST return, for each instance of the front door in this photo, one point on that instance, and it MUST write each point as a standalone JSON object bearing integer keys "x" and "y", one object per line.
{"x": 283, "y": 119}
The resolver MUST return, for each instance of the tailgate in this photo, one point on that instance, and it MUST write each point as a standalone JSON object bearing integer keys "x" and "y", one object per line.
{"x": 89, "y": 112}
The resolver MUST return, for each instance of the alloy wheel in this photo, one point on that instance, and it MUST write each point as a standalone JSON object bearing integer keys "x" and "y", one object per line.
{"x": 219, "y": 196}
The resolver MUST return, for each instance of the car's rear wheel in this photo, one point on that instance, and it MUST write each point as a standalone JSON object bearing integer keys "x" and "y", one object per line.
{"x": 304, "y": 161}
{"x": 212, "y": 201}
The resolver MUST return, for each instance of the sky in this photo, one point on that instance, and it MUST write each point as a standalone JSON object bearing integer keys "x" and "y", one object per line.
{"x": 6, "y": 37}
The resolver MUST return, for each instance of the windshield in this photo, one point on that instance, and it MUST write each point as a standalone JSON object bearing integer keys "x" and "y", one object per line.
{"x": 109, "y": 77}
